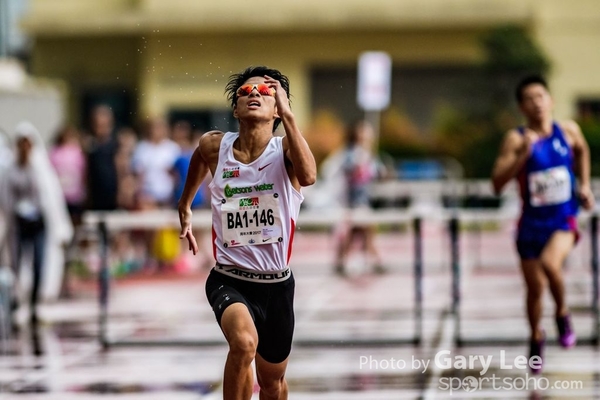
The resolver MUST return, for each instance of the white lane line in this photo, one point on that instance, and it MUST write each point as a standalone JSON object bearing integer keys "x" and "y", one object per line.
{"x": 445, "y": 343}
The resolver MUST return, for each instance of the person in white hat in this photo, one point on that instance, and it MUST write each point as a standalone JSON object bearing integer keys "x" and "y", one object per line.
{"x": 35, "y": 208}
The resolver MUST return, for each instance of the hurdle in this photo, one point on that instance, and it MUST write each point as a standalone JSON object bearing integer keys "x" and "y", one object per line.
{"x": 105, "y": 222}
{"x": 453, "y": 227}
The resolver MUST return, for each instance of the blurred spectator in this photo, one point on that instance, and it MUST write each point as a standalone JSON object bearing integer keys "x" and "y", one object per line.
{"x": 152, "y": 161}
{"x": 102, "y": 169}
{"x": 6, "y": 156}
{"x": 6, "y": 159}
{"x": 69, "y": 162}
{"x": 188, "y": 140}
{"x": 128, "y": 186}
{"x": 35, "y": 206}
{"x": 127, "y": 141}
{"x": 360, "y": 168}
{"x": 182, "y": 133}
{"x": 129, "y": 246}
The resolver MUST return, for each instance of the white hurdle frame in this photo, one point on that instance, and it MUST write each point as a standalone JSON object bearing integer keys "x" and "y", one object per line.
{"x": 454, "y": 233}
{"x": 106, "y": 222}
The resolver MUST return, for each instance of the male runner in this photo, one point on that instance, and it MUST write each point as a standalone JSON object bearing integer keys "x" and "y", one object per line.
{"x": 551, "y": 161}
{"x": 255, "y": 201}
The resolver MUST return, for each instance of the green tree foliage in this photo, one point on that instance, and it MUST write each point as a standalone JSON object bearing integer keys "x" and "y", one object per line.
{"x": 590, "y": 126}
{"x": 473, "y": 135}
{"x": 400, "y": 137}
{"x": 510, "y": 54}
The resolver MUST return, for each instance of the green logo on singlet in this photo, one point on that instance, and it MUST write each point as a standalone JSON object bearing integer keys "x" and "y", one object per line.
{"x": 231, "y": 191}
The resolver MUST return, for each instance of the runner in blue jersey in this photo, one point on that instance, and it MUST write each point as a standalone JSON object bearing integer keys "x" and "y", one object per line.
{"x": 551, "y": 162}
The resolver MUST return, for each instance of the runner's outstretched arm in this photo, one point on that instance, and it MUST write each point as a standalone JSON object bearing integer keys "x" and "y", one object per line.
{"x": 196, "y": 173}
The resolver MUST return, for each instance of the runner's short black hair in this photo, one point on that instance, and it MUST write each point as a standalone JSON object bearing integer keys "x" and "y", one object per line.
{"x": 529, "y": 80}
{"x": 237, "y": 80}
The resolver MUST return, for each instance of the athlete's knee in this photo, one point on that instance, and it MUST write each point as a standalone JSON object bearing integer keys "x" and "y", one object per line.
{"x": 242, "y": 345}
{"x": 535, "y": 290}
{"x": 553, "y": 268}
{"x": 272, "y": 388}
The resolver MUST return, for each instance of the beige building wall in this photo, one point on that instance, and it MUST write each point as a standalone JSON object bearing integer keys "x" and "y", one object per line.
{"x": 569, "y": 32}
{"x": 87, "y": 63}
{"x": 191, "y": 71}
{"x": 179, "y": 53}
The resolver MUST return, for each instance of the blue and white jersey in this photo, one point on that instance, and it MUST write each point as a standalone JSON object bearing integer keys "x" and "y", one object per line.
{"x": 547, "y": 184}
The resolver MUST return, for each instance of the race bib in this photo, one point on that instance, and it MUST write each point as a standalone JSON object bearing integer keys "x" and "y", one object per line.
{"x": 549, "y": 187}
{"x": 251, "y": 221}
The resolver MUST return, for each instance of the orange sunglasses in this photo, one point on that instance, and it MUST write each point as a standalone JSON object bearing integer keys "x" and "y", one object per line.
{"x": 262, "y": 89}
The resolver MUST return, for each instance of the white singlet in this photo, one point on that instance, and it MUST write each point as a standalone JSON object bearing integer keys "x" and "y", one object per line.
{"x": 254, "y": 208}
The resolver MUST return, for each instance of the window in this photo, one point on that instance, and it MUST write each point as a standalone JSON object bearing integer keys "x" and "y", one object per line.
{"x": 588, "y": 109}
{"x": 205, "y": 120}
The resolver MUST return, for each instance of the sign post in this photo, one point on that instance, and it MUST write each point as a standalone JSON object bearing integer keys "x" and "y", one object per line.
{"x": 374, "y": 87}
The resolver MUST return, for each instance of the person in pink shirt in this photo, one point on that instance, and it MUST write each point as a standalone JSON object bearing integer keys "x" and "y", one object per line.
{"x": 69, "y": 161}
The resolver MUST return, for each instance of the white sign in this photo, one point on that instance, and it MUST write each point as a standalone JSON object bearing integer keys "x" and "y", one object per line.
{"x": 374, "y": 80}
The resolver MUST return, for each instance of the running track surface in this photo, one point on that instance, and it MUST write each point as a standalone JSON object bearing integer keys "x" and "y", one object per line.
{"x": 71, "y": 365}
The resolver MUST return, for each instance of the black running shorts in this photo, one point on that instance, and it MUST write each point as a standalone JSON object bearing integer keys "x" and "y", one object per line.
{"x": 271, "y": 306}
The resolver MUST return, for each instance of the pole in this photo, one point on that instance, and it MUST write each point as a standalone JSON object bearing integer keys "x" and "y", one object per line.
{"x": 418, "y": 271}
{"x": 103, "y": 284}
{"x": 595, "y": 287}
{"x": 374, "y": 118}
{"x": 455, "y": 261}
